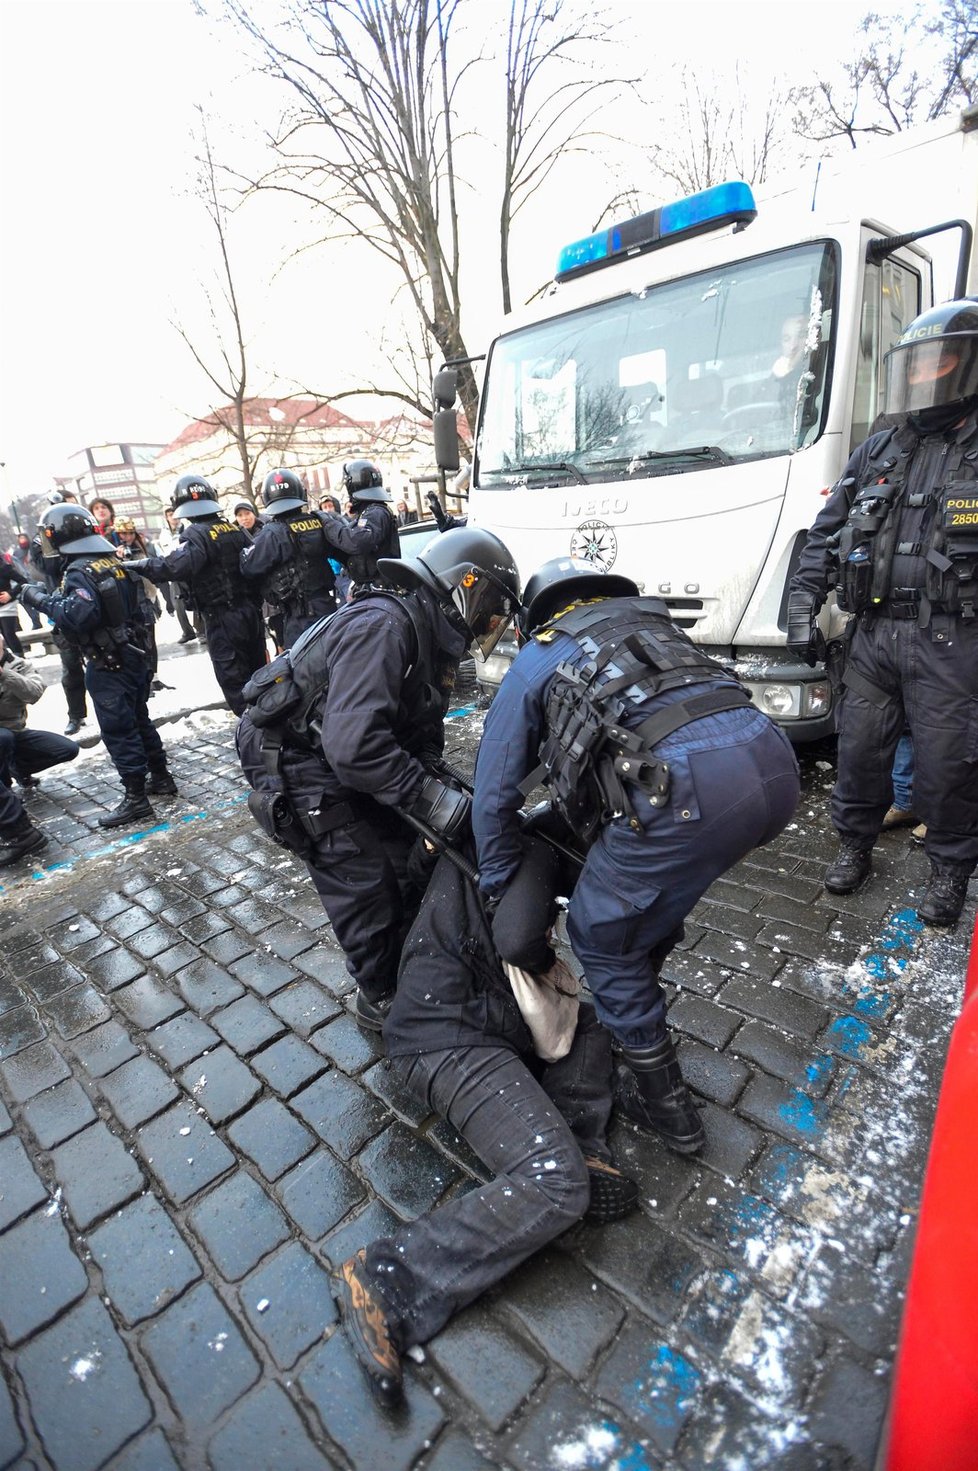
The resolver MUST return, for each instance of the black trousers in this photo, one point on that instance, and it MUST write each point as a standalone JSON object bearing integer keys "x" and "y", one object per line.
{"x": 360, "y": 872}
{"x": 926, "y": 679}
{"x": 532, "y": 1127}
{"x": 72, "y": 679}
{"x": 119, "y": 697}
{"x": 236, "y": 645}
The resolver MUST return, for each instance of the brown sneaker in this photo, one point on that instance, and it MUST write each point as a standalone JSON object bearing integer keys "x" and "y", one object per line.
{"x": 363, "y": 1319}
{"x": 899, "y": 817}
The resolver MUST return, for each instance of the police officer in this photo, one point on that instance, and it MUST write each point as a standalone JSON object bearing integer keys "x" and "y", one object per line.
{"x": 898, "y": 536}
{"x": 290, "y": 560}
{"x": 663, "y": 770}
{"x": 207, "y": 560}
{"x": 372, "y": 535}
{"x": 48, "y": 570}
{"x": 96, "y": 609}
{"x": 370, "y": 738}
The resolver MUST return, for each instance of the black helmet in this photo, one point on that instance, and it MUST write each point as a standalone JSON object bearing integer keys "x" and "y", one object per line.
{"x": 282, "y": 491}
{"x": 362, "y": 481}
{"x": 472, "y": 573}
{"x": 195, "y": 497}
{"x": 565, "y": 580}
{"x": 933, "y": 369}
{"x": 65, "y": 529}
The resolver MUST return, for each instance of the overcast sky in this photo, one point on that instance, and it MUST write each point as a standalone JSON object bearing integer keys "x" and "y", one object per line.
{"x": 102, "y": 247}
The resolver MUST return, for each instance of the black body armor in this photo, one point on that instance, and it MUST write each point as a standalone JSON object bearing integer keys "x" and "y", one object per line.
{"x": 362, "y": 566}
{"x": 307, "y": 575}
{"x": 593, "y": 750}
{"x": 933, "y": 503}
{"x": 221, "y": 585}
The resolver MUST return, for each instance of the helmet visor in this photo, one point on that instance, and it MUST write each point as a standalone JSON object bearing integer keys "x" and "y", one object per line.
{"x": 931, "y": 373}
{"x": 487, "y": 609}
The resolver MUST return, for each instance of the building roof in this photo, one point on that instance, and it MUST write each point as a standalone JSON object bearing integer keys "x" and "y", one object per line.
{"x": 264, "y": 413}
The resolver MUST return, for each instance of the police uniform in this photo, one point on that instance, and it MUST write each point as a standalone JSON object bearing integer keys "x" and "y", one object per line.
{"x": 290, "y": 564}
{"x": 898, "y": 540}
{"x": 360, "y": 747}
{"x": 660, "y": 766}
{"x": 207, "y": 561}
{"x": 372, "y": 536}
{"x": 390, "y": 668}
{"x": 96, "y": 610}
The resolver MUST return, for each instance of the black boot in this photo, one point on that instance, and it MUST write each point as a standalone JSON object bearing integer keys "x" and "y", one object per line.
{"x": 19, "y": 840}
{"x": 850, "y": 869}
{"x": 161, "y": 782}
{"x": 651, "y": 1092}
{"x": 134, "y": 805}
{"x": 946, "y": 892}
{"x": 371, "y": 1015}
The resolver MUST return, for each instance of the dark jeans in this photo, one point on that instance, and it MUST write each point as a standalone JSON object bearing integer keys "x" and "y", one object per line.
{"x": 9, "y": 629}
{"x": 733, "y": 788}
{"x": 24, "y": 752}
{"x": 533, "y": 1133}
{"x": 929, "y": 684}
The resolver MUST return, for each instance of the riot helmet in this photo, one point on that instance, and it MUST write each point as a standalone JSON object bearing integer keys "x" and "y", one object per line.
{"x": 194, "y": 498}
{"x": 932, "y": 372}
{"x": 474, "y": 577}
{"x": 565, "y": 580}
{"x": 67, "y": 530}
{"x": 362, "y": 481}
{"x": 283, "y": 491}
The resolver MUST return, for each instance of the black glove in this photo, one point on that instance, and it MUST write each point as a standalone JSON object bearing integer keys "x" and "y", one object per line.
{"x": 437, "y": 510}
{"x": 804, "y": 637}
{"x": 32, "y": 595}
{"x": 442, "y": 808}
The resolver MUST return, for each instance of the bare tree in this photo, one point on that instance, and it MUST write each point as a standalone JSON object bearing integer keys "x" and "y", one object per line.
{"x": 229, "y": 375}
{"x": 910, "y": 69}
{"x": 715, "y": 139}
{"x": 546, "y": 119}
{"x": 369, "y": 141}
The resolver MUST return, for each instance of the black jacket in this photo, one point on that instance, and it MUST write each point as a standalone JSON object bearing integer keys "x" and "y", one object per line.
{"x": 451, "y": 988}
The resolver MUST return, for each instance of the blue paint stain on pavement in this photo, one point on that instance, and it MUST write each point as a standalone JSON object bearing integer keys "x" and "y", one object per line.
{"x": 803, "y": 1114}
{"x": 849, "y": 1035}
{"x": 465, "y": 710}
{"x": 666, "y": 1392}
{"x": 66, "y": 864}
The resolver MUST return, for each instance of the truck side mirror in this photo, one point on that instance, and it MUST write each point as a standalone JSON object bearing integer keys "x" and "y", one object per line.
{"x": 444, "y": 389}
{"x": 444, "y": 427}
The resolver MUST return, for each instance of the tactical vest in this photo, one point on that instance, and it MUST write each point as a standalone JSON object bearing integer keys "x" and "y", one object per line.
{"x": 120, "y": 625}
{"x": 946, "y": 524}
{"x": 362, "y": 566}
{"x": 220, "y": 585}
{"x": 589, "y": 758}
{"x": 307, "y": 572}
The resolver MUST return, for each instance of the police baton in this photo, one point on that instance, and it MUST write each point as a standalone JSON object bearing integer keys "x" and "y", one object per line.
{"x": 441, "y": 846}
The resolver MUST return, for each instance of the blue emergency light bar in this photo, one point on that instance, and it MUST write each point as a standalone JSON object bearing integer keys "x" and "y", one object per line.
{"x": 724, "y": 204}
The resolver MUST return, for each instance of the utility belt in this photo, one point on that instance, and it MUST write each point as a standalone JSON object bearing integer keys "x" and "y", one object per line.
{"x": 296, "y": 830}
{"x": 104, "y": 650}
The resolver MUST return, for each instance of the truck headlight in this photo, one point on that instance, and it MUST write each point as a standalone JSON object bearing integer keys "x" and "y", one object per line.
{"x": 778, "y": 699}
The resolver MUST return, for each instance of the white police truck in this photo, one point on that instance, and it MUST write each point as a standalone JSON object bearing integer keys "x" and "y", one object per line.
{"x": 679, "y": 402}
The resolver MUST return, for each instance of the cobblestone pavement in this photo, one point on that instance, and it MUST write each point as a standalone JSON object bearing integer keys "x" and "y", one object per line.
{"x": 192, "y": 1128}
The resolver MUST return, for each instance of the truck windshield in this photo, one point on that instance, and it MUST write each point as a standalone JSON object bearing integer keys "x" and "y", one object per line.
{"x": 728, "y": 365}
